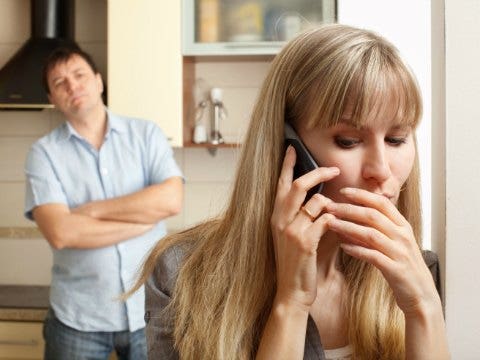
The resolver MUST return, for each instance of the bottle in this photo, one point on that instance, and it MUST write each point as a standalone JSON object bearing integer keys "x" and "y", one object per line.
{"x": 208, "y": 20}
{"x": 245, "y": 21}
{"x": 218, "y": 113}
{"x": 199, "y": 134}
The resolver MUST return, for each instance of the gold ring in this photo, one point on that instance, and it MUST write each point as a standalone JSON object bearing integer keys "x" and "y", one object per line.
{"x": 308, "y": 213}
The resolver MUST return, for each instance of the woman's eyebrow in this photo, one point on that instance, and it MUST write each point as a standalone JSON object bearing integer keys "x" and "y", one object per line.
{"x": 346, "y": 122}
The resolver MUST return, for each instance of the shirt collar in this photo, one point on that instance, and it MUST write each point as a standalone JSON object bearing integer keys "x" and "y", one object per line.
{"x": 114, "y": 123}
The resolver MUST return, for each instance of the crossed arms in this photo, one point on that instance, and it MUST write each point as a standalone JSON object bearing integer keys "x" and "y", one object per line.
{"x": 106, "y": 222}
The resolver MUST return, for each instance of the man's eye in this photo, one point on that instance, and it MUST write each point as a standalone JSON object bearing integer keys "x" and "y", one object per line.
{"x": 346, "y": 143}
{"x": 396, "y": 140}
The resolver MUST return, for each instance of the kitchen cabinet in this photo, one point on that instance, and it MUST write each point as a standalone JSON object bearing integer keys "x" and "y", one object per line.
{"x": 248, "y": 27}
{"x": 145, "y": 65}
{"x": 21, "y": 340}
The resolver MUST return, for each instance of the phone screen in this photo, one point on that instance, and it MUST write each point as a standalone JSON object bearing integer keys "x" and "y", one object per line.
{"x": 305, "y": 162}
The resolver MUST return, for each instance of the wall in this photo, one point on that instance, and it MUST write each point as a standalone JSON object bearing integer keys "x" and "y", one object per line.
{"x": 462, "y": 165}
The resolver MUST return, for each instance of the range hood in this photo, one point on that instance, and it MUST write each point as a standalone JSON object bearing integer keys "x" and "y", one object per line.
{"x": 52, "y": 26}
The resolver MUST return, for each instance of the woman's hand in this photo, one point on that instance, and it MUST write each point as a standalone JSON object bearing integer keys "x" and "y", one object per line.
{"x": 297, "y": 231}
{"x": 373, "y": 230}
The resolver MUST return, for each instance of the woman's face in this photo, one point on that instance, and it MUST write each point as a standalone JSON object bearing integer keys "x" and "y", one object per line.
{"x": 377, "y": 157}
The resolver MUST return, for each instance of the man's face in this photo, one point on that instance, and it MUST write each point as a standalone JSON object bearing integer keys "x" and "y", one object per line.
{"x": 74, "y": 88}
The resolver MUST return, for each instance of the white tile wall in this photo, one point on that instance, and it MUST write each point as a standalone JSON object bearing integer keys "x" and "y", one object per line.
{"x": 207, "y": 178}
{"x": 15, "y": 21}
{"x": 25, "y": 262}
{"x": 11, "y": 209}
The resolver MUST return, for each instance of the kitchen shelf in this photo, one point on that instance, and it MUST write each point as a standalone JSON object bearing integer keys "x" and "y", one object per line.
{"x": 234, "y": 48}
{"x": 209, "y": 145}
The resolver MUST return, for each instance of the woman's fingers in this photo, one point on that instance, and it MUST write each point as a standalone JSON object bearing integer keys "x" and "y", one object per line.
{"x": 378, "y": 215}
{"x": 364, "y": 236}
{"x": 313, "y": 207}
{"x": 308, "y": 226}
{"x": 375, "y": 201}
{"x": 291, "y": 193}
{"x": 299, "y": 188}
{"x": 372, "y": 256}
{"x": 363, "y": 215}
{"x": 286, "y": 174}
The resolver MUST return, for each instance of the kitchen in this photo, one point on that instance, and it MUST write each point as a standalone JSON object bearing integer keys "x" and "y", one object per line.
{"x": 25, "y": 257}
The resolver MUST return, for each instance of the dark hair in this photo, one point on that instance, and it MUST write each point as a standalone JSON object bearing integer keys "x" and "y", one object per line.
{"x": 60, "y": 55}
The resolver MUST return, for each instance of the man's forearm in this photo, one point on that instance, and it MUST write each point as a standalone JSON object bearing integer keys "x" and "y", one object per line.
{"x": 93, "y": 233}
{"x": 147, "y": 206}
{"x": 84, "y": 232}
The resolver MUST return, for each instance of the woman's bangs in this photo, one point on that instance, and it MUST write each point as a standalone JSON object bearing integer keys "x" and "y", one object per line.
{"x": 383, "y": 94}
{"x": 376, "y": 86}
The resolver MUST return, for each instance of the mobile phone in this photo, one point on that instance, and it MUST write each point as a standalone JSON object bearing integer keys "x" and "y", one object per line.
{"x": 305, "y": 162}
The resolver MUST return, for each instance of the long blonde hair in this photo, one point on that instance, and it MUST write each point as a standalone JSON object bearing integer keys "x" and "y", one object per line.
{"x": 227, "y": 282}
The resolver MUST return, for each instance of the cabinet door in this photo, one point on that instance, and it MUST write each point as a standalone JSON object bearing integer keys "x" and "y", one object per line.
{"x": 20, "y": 340}
{"x": 145, "y": 62}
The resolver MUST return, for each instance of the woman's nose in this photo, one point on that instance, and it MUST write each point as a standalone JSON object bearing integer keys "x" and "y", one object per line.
{"x": 376, "y": 164}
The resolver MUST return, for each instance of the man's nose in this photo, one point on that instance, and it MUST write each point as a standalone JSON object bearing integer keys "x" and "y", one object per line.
{"x": 376, "y": 163}
{"x": 71, "y": 85}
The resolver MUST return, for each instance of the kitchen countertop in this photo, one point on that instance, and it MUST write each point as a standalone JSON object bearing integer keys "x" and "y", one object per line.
{"x": 23, "y": 302}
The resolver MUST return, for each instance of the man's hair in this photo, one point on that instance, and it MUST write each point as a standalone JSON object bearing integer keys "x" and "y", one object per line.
{"x": 61, "y": 55}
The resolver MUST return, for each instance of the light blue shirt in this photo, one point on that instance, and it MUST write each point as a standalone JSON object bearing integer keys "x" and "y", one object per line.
{"x": 62, "y": 167}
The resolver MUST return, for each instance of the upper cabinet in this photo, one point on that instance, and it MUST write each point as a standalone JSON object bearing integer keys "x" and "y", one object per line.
{"x": 145, "y": 63}
{"x": 248, "y": 27}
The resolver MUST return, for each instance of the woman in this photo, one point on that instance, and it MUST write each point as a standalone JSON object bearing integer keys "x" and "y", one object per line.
{"x": 337, "y": 275}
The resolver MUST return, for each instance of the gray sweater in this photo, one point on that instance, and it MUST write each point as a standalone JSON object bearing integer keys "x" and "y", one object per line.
{"x": 159, "y": 288}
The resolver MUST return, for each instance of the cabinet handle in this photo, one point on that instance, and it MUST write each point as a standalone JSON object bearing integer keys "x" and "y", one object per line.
{"x": 19, "y": 342}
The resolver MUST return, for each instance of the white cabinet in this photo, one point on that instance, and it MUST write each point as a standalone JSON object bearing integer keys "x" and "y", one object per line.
{"x": 145, "y": 63}
{"x": 248, "y": 27}
{"x": 21, "y": 340}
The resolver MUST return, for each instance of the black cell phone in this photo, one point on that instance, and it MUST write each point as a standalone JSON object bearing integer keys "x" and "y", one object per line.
{"x": 305, "y": 162}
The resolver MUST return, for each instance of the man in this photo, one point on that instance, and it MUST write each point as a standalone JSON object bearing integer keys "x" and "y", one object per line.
{"x": 98, "y": 187}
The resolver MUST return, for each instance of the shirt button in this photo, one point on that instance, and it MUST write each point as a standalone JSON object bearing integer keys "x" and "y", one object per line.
{"x": 147, "y": 316}
{"x": 104, "y": 171}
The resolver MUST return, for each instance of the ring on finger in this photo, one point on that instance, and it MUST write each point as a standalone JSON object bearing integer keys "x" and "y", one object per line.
{"x": 308, "y": 213}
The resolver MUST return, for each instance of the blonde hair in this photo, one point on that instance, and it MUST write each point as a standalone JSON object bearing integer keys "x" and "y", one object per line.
{"x": 226, "y": 284}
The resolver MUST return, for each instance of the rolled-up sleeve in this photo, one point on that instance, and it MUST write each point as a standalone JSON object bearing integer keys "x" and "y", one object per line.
{"x": 161, "y": 163}
{"x": 42, "y": 185}
{"x": 158, "y": 316}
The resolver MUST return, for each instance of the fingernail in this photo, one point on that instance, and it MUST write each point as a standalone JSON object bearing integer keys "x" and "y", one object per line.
{"x": 347, "y": 191}
{"x": 334, "y": 170}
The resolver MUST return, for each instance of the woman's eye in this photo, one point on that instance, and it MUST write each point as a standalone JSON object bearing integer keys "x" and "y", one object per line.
{"x": 396, "y": 140}
{"x": 346, "y": 143}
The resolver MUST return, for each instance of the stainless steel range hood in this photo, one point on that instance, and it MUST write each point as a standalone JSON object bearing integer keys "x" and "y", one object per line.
{"x": 52, "y": 26}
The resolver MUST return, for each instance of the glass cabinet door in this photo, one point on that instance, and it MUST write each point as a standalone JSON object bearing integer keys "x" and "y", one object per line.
{"x": 248, "y": 27}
